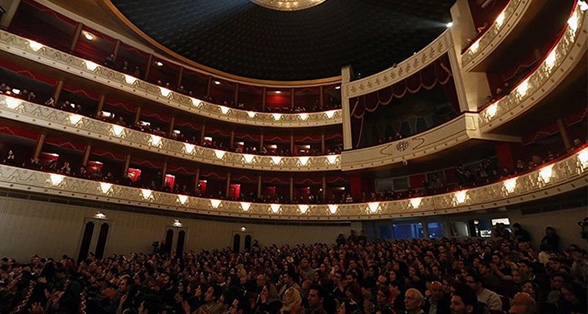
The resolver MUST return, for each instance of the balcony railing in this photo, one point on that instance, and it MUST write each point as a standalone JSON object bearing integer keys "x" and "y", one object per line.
{"x": 506, "y": 21}
{"x": 46, "y": 117}
{"x": 562, "y": 176}
{"x": 40, "y": 53}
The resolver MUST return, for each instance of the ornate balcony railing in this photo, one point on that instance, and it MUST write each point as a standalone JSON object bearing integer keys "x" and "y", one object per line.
{"x": 46, "y": 117}
{"x": 506, "y": 21}
{"x": 404, "y": 69}
{"x": 552, "y": 179}
{"x": 559, "y": 62}
{"x": 40, "y": 53}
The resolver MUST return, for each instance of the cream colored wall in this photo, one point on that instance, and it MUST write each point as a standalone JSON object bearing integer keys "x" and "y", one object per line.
{"x": 49, "y": 229}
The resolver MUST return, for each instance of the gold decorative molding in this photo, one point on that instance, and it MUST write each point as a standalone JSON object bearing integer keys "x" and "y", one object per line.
{"x": 507, "y": 21}
{"x": 549, "y": 180}
{"x": 288, "y": 5}
{"x": 89, "y": 70}
{"x": 62, "y": 121}
{"x": 555, "y": 67}
{"x": 404, "y": 69}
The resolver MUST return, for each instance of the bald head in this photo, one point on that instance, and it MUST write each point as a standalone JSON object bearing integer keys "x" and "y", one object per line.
{"x": 523, "y": 303}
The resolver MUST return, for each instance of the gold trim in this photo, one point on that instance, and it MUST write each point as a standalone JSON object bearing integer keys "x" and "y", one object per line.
{"x": 134, "y": 28}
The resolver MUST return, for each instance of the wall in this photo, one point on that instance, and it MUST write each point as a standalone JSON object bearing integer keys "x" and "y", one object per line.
{"x": 50, "y": 229}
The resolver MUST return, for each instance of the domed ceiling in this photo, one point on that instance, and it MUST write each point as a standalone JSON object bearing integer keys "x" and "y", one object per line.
{"x": 242, "y": 38}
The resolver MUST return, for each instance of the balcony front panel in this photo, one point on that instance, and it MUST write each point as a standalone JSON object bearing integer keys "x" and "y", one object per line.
{"x": 508, "y": 20}
{"x": 48, "y": 56}
{"x": 46, "y": 117}
{"x": 450, "y": 134}
{"x": 403, "y": 70}
{"x": 567, "y": 53}
{"x": 552, "y": 179}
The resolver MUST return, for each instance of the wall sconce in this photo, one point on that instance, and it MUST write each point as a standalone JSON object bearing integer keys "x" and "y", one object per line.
{"x": 275, "y": 208}
{"x": 56, "y": 179}
{"x": 245, "y": 206}
{"x": 177, "y": 223}
{"x": 332, "y": 159}
{"x": 182, "y": 199}
{"x": 219, "y": 154}
{"x": 303, "y": 208}
{"x": 105, "y": 187}
{"x": 91, "y": 65}
{"x": 416, "y": 202}
{"x": 333, "y": 208}
{"x": 146, "y": 193}
{"x": 373, "y": 207}
{"x": 303, "y": 160}
{"x": 510, "y": 185}
{"x": 215, "y": 203}
{"x": 460, "y": 196}
{"x": 188, "y": 148}
{"x": 100, "y": 215}
{"x": 276, "y": 160}
{"x": 545, "y": 173}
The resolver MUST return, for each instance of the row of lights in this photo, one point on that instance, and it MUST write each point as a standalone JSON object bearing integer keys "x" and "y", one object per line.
{"x": 544, "y": 175}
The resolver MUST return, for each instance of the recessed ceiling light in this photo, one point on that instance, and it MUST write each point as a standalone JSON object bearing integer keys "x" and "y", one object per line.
{"x": 217, "y": 82}
{"x": 89, "y": 36}
{"x": 159, "y": 63}
{"x": 448, "y": 25}
{"x": 338, "y": 87}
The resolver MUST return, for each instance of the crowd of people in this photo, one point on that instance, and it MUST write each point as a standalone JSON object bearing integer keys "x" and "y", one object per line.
{"x": 420, "y": 276}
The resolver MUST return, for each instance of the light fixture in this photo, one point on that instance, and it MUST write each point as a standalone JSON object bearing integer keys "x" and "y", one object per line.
{"x": 275, "y": 208}
{"x": 251, "y": 114}
{"x": 332, "y": 159}
{"x": 303, "y": 208}
{"x": 573, "y": 22}
{"x": 287, "y": 5}
{"x": 500, "y": 19}
{"x": 146, "y": 193}
{"x": 12, "y": 103}
{"x": 245, "y": 206}
{"x": 583, "y": 157}
{"x": 550, "y": 60}
{"x": 105, "y": 187}
{"x": 338, "y": 87}
{"x": 89, "y": 36}
{"x": 582, "y": 5}
{"x": 219, "y": 153}
{"x": 333, "y": 208}
{"x": 182, "y": 199}
{"x": 91, "y": 65}
{"x": 35, "y": 45}
{"x": 164, "y": 91}
{"x": 303, "y": 116}
{"x": 16, "y": 91}
{"x": 474, "y": 47}
{"x": 130, "y": 79}
{"x": 117, "y": 130}
{"x": 215, "y": 203}
{"x": 177, "y": 223}
{"x": 159, "y": 63}
{"x": 277, "y": 116}
{"x": 248, "y": 158}
{"x": 99, "y": 215}
{"x": 373, "y": 206}
{"x": 461, "y": 196}
{"x": 416, "y": 202}
{"x": 449, "y": 25}
{"x": 330, "y": 113}
{"x": 74, "y": 118}
{"x": 523, "y": 87}
{"x": 276, "y": 159}
{"x": 196, "y": 102}
{"x": 491, "y": 110}
{"x": 188, "y": 148}
{"x": 155, "y": 140}
{"x": 545, "y": 173}
{"x": 56, "y": 179}
{"x": 243, "y": 229}
{"x": 224, "y": 109}
{"x": 216, "y": 83}
{"x": 303, "y": 160}
{"x": 278, "y": 92}
{"x": 510, "y": 185}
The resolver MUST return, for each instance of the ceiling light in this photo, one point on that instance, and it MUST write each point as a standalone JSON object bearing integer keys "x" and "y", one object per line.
{"x": 216, "y": 82}
{"x": 159, "y": 63}
{"x": 337, "y": 87}
{"x": 89, "y": 36}
{"x": 100, "y": 215}
{"x": 243, "y": 229}
{"x": 449, "y": 25}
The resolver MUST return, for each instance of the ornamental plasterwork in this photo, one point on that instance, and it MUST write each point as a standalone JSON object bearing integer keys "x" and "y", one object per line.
{"x": 89, "y": 70}
{"x": 46, "y": 117}
{"x": 552, "y": 71}
{"x": 404, "y": 69}
{"x": 549, "y": 180}
{"x": 288, "y": 5}
{"x": 497, "y": 32}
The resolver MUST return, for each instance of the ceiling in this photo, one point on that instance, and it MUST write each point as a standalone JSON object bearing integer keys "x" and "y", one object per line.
{"x": 241, "y": 38}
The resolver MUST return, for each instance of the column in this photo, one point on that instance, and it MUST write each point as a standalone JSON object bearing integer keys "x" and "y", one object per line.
{"x": 292, "y": 145}
{"x": 180, "y": 77}
{"x": 100, "y": 104}
{"x": 127, "y": 164}
{"x": 236, "y": 99}
{"x": 86, "y": 155}
{"x": 58, "y": 90}
{"x": 291, "y": 188}
{"x": 258, "y": 186}
{"x": 10, "y": 7}
{"x": 261, "y": 142}
{"x": 39, "y": 145}
{"x": 202, "y": 134}
{"x": 172, "y": 123}
{"x": 76, "y": 37}
{"x": 324, "y": 188}
{"x": 232, "y": 138}
{"x": 208, "y": 86}
{"x": 228, "y": 188}
{"x": 345, "y": 107}
{"x": 163, "y": 173}
{"x": 116, "y": 48}
{"x": 196, "y": 180}
{"x": 563, "y": 131}
{"x": 137, "y": 115}
{"x": 263, "y": 94}
{"x": 148, "y": 67}
{"x": 323, "y": 146}
{"x": 292, "y": 98}
{"x": 322, "y": 97}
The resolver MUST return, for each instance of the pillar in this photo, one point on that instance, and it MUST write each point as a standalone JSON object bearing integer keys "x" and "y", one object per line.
{"x": 345, "y": 107}
{"x": 76, "y": 37}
